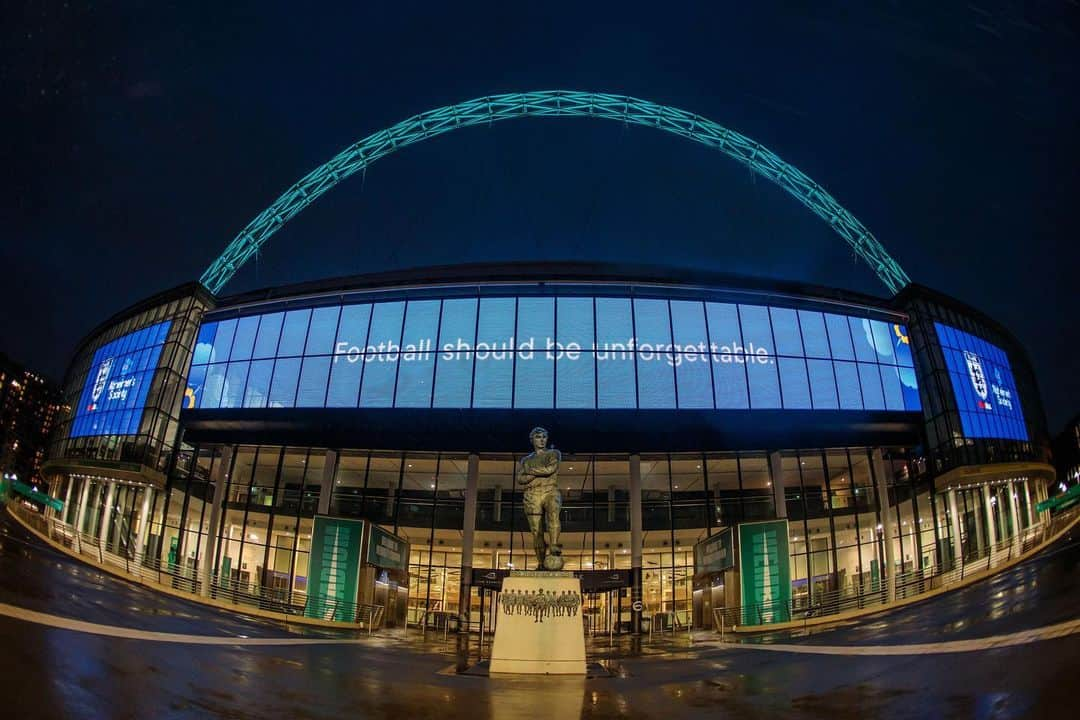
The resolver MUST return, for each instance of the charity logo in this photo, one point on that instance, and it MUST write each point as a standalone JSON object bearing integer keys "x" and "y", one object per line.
{"x": 99, "y": 383}
{"x": 978, "y": 378}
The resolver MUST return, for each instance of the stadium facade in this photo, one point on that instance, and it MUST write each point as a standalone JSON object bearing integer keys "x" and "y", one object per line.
{"x": 863, "y": 442}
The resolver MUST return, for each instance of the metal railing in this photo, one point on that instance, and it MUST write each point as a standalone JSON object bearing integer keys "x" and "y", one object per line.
{"x": 187, "y": 580}
{"x": 909, "y": 584}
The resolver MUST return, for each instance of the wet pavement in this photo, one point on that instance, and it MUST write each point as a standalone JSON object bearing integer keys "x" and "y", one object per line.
{"x": 53, "y": 673}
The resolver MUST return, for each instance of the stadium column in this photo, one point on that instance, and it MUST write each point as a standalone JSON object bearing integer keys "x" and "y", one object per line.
{"x": 635, "y": 544}
{"x": 776, "y": 478}
{"x": 221, "y": 483}
{"x": 954, "y": 528}
{"x": 106, "y": 518}
{"x": 144, "y": 523}
{"x": 80, "y": 514}
{"x": 991, "y": 535}
{"x": 1014, "y": 514}
{"x": 887, "y": 520}
{"x": 1027, "y": 502}
{"x": 472, "y": 481}
{"x": 326, "y": 484}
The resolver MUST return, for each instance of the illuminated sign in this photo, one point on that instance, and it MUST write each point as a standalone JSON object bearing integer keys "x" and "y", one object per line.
{"x": 553, "y": 352}
{"x": 983, "y": 386}
{"x": 117, "y": 383}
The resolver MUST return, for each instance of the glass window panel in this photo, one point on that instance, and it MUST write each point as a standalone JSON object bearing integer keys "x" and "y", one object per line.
{"x": 352, "y": 332}
{"x": 756, "y": 331}
{"x": 847, "y": 386}
{"x": 535, "y": 379}
{"x": 215, "y": 381}
{"x": 871, "y": 387}
{"x": 223, "y": 341}
{"x": 822, "y": 384}
{"x": 694, "y": 379}
{"x": 729, "y": 381}
{"x": 576, "y": 377}
{"x": 903, "y": 346}
{"x": 494, "y": 353}
{"x": 656, "y": 378}
{"x": 345, "y": 374}
{"x": 839, "y": 337}
{"x": 785, "y": 325}
{"x": 910, "y": 389}
{"x": 380, "y": 371}
{"x": 614, "y": 324}
{"x": 294, "y": 333}
{"x": 266, "y": 341}
{"x": 615, "y": 376}
{"x": 883, "y": 341}
{"x": 793, "y": 383}
{"x": 283, "y": 386}
{"x": 652, "y": 323}
{"x": 414, "y": 383}
{"x": 764, "y": 386}
{"x": 535, "y": 322}
{"x": 894, "y": 393}
{"x": 863, "y": 337}
{"x": 723, "y": 324}
{"x": 313, "y": 375}
{"x": 244, "y": 340}
{"x": 688, "y": 325}
{"x": 453, "y": 379}
{"x": 385, "y": 333}
{"x": 322, "y": 331}
{"x": 232, "y": 394}
{"x": 258, "y": 385}
{"x": 204, "y": 345}
{"x": 575, "y": 320}
{"x": 815, "y": 339}
{"x": 196, "y": 383}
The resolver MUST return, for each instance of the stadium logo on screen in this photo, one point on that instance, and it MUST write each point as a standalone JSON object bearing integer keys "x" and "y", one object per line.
{"x": 99, "y": 383}
{"x": 978, "y": 378}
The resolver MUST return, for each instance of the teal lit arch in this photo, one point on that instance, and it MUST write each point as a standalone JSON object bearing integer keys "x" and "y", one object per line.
{"x": 553, "y": 103}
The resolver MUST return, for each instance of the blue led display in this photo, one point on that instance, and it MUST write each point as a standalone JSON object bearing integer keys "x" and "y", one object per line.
{"x": 983, "y": 386}
{"x": 119, "y": 378}
{"x": 548, "y": 352}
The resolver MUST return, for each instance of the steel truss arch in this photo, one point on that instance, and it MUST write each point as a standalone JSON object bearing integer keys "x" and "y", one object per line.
{"x": 553, "y": 103}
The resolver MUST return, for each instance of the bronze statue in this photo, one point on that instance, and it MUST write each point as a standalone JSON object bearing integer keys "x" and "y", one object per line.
{"x": 540, "y": 478}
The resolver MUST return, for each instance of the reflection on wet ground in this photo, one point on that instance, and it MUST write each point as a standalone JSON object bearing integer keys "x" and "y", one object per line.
{"x": 49, "y": 672}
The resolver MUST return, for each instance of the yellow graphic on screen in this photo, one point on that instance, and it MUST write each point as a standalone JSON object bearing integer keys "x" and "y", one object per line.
{"x": 900, "y": 334}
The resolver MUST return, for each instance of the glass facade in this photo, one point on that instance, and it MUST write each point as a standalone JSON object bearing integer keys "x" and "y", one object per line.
{"x": 553, "y": 352}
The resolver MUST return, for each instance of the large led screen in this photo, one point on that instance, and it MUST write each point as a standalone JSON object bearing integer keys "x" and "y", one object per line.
{"x": 983, "y": 386}
{"x": 116, "y": 385}
{"x": 553, "y": 352}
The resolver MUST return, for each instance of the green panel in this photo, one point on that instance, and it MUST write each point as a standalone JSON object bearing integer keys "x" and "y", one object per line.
{"x": 386, "y": 550}
{"x": 765, "y": 572}
{"x": 715, "y": 553}
{"x": 43, "y": 498}
{"x": 334, "y": 568}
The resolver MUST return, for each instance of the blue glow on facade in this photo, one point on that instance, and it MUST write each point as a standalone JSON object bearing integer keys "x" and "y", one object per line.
{"x": 117, "y": 383}
{"x": 983, "y": 386}
{"x": 553, "y": 352}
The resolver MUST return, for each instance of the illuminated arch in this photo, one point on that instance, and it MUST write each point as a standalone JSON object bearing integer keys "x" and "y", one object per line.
{"x": 553, "y": 103}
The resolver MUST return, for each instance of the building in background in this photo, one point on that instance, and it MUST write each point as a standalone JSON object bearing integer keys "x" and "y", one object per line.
{"x": 857, "y": 446}
{"x": 30, "y": 408}
{"x": 1066, "y": 448}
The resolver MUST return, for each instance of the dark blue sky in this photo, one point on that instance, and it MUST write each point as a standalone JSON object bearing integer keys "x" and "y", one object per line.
{"x": 136, "y": 143}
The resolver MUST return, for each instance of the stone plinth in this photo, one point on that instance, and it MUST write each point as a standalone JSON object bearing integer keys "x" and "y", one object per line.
{"x": 539, "y": 629}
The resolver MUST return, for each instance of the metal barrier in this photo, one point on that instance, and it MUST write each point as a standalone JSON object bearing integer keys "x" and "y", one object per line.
{"x": 187, "y": 580}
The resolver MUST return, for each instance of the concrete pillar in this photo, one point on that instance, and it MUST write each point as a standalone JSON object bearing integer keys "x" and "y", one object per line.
{"x": 80, "y": 515}
{"x": 327, "y": 482}
{"x": 954, "y": 525}
{"x": 991, "y": 534}
{"x": 144, "y": 525}
{"x": 776, "y": 477}
{"x": 468, "y": 532}
{"x": 636, "y": 540}
{"x": 887, "y": 521}
{"x": 67, "y": 498}
{"x": 220, "y": 477}
{"x": 1014, "y": 514}
{"x": 106, "y": 517}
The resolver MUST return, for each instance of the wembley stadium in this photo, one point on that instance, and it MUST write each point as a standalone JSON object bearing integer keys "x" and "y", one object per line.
{"x": 735, "y": 450}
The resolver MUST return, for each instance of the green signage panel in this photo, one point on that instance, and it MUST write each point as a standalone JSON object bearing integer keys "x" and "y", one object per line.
{"x": 43, "y": 498}
{"x": 334, "y": 568}
{"x": 714, "y": 553}
{"x": 765, "y": 572}
{"x": 387, "y": 550}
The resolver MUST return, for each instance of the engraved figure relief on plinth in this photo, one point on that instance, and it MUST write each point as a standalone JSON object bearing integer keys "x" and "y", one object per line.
{"x": 541, "y": 604}
{"x": 539, "y": 477}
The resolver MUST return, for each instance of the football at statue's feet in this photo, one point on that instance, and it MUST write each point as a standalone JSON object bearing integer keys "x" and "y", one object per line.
{"x": 553, "y": 562}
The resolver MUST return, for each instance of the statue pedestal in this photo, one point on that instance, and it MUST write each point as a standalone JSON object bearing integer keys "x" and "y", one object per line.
{"x": 536, "y": 637}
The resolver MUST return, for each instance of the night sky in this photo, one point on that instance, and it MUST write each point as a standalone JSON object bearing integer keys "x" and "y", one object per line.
{"x": 136, "y": 143}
